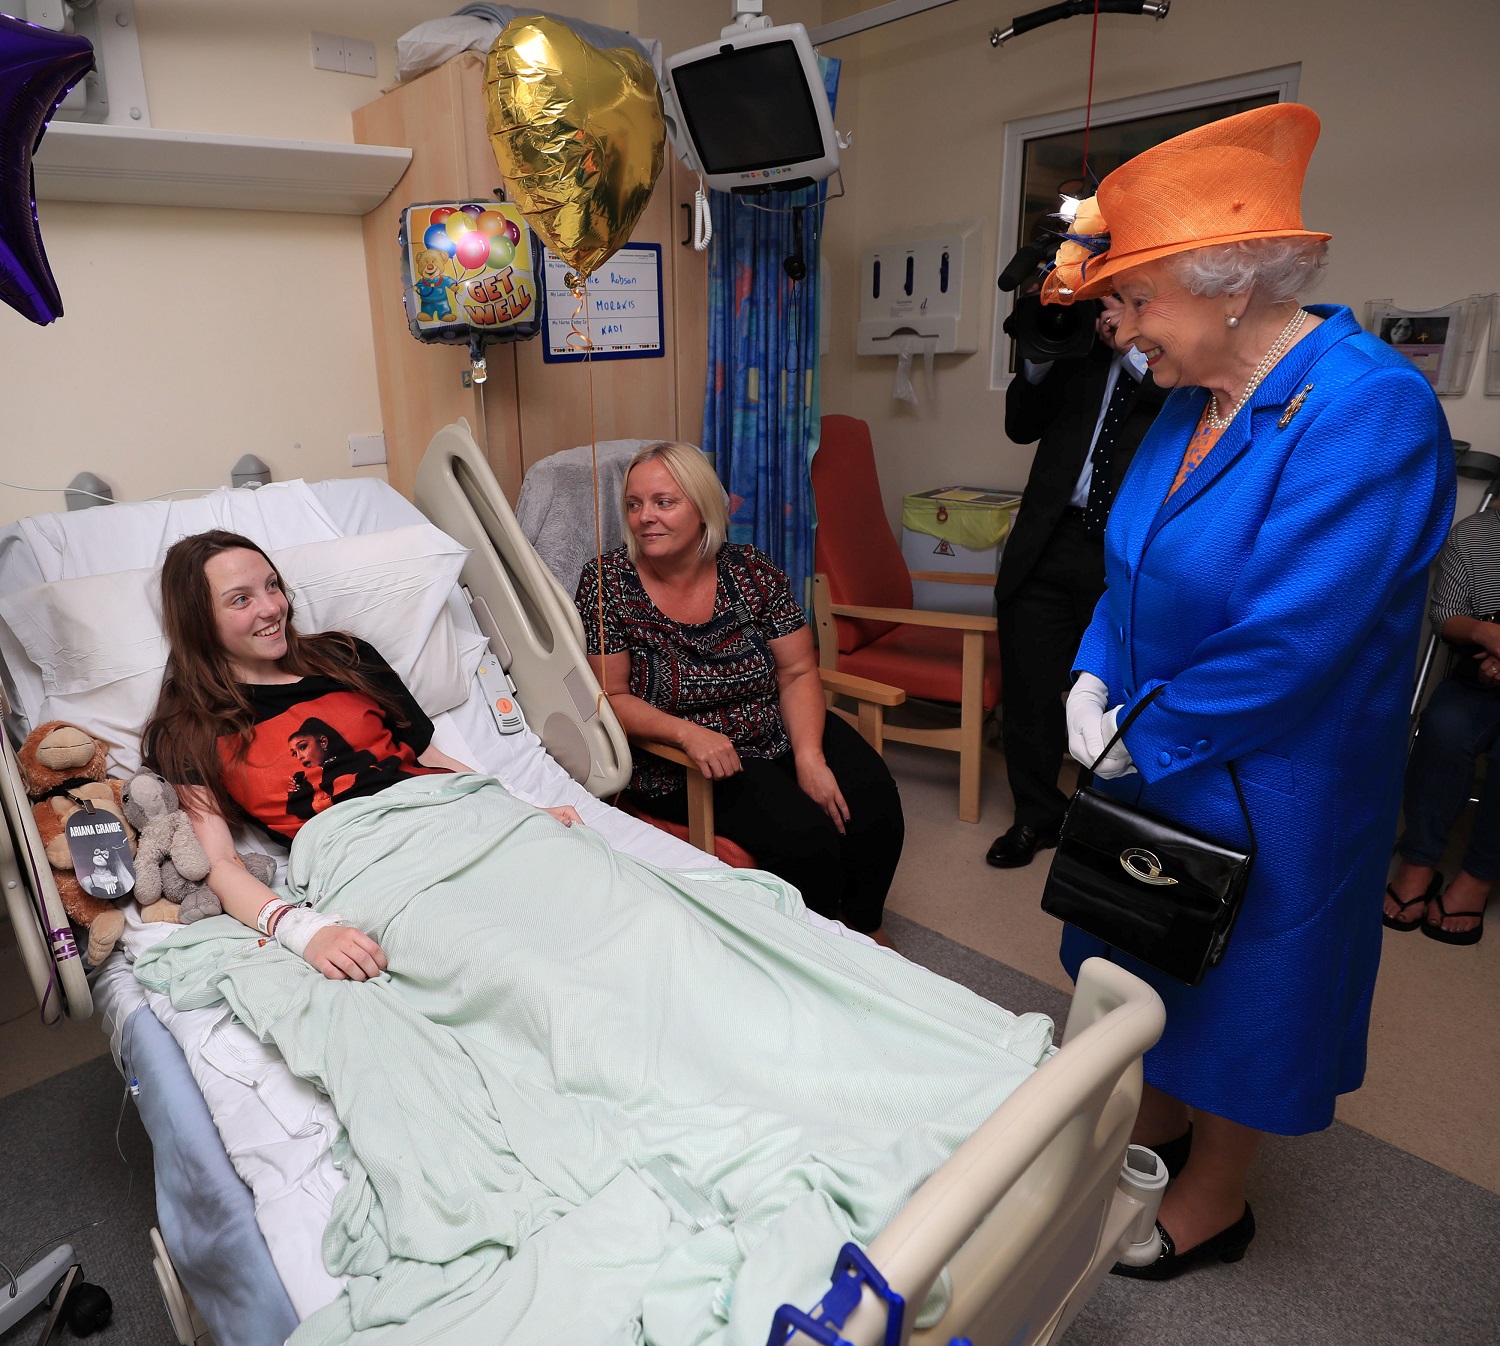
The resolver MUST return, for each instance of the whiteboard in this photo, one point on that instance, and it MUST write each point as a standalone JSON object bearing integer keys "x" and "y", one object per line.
{"x": 624, "y": 313}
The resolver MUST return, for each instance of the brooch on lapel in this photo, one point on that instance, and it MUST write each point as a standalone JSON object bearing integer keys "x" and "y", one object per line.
{"x": 1293, "y": 407}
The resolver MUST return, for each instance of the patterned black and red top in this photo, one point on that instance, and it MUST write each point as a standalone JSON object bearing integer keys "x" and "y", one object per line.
{"x": 720, "y": 673}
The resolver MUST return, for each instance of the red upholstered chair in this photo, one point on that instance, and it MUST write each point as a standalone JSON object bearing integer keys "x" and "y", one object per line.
{"x": 862, "y": 601}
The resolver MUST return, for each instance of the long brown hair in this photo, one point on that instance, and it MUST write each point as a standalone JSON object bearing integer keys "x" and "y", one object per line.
{"x": 201, "y": 702}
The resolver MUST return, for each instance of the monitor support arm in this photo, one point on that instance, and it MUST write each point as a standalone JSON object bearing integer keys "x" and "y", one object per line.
{"x": 902, "y": 9}
{"x": 748, "y": 15}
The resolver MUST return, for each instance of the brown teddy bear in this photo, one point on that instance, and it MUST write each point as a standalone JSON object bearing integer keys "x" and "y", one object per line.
{"x": 63, "y": 766}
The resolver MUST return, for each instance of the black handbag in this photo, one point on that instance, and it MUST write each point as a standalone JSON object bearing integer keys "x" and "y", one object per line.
{"x": 1145, "y": 885}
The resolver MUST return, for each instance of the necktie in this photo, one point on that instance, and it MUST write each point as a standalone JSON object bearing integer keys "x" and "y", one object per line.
{"x": 1101, "y": 482}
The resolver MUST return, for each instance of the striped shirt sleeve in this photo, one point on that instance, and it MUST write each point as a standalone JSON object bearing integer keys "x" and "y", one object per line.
{"x": 1468, "y": 582}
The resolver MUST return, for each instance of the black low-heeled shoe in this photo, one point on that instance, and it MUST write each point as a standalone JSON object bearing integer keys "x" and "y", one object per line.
{"x": 1400, "y": 923}
{"x": 1174, "y": 1153}
{"x": 1228, "y": 1245}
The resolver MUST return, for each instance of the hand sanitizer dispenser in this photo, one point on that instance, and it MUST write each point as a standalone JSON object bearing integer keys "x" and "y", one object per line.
{"x": 914, "y": 301}
{"x": 917, "y": 287}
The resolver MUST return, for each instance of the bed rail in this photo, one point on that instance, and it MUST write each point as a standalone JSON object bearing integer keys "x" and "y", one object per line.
{"x": 49, "y": 953}
{"x": 512, "y": 591}
{"x": 1028, "y": 1215}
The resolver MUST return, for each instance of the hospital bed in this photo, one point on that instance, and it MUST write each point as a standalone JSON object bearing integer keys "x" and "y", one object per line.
{"x": 1020, "y": 1223}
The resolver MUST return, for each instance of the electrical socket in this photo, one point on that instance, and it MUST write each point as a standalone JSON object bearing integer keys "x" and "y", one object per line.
{"x": 366, "y": 450}
{"x": 352, "y": 55}
{"x": 327, "y": 51}
{"x": 359, "y": 57}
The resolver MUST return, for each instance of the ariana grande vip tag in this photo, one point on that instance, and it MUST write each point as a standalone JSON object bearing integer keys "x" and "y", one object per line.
{"x": 101, "y": 853}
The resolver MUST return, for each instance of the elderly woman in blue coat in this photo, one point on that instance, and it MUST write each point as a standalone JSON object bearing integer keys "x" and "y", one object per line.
{"x": 1266, "y": 563}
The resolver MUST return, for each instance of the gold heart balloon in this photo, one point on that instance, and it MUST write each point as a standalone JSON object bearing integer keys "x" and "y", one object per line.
{"x": 578, "y": 135}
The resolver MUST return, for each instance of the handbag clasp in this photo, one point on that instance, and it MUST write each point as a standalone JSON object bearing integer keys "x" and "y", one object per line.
{"x": 1141, "y": 864}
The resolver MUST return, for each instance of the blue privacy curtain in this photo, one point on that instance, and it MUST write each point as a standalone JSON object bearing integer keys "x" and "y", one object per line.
{"x": 761, "y": 408}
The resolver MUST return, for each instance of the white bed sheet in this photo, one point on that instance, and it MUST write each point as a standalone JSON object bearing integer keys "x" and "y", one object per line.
{"x": 278, "y": 1129}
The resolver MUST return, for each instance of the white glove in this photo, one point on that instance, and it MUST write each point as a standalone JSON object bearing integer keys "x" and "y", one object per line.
{"x": 1086, "y": 705}
{"x": 1118, "y": 762}
{"x": 299, "y": 925}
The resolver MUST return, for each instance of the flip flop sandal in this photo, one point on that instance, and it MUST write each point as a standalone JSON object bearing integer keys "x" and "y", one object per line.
{"x": 1470, "y": 936}
{"x": 1400, "y": 922}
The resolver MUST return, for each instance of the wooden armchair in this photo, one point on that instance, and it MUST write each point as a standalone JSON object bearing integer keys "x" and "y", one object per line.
{"x": 873, "y": 699}
{"x": 862, "y": 604}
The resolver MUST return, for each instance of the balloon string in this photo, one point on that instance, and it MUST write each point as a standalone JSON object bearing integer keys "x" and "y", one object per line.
{"x": 1088, "y": 109}
{"x": 581, "y": 338}
{"x": 578, "y": 337}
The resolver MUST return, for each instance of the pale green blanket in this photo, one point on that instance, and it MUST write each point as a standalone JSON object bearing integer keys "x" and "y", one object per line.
{"x": 557, "y": 1016}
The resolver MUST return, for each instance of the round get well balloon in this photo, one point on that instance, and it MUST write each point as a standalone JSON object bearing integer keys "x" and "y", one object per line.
{"x": 578, "y": 134}
{"x": 458, "y": 287}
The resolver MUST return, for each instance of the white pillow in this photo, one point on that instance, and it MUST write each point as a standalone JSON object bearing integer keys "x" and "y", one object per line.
{"x": 98, "y": 649}
{"x": 390, "y": 589}
{"x": 85, "y": 633}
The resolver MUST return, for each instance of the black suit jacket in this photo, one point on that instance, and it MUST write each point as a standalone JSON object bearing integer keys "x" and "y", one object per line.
{"x": 1061, "y": 411}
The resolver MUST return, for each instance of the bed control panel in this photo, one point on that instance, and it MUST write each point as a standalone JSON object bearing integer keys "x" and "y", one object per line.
{"x": 500, "y": 695}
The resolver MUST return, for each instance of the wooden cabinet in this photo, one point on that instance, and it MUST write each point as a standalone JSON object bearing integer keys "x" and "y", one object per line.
{"x": 527, "y": 408}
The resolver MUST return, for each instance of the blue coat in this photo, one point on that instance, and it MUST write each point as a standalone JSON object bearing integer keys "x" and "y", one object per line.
{"x": 1279, "y": 595}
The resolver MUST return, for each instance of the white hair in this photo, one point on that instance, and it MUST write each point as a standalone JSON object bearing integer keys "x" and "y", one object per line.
{"x": 1278, "y": 269}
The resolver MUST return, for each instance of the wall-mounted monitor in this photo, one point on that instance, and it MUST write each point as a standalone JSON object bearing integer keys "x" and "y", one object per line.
{"x": 751, "y": 113}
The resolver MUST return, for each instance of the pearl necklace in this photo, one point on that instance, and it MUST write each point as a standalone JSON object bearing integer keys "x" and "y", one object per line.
{"x": 1267, "y": 363}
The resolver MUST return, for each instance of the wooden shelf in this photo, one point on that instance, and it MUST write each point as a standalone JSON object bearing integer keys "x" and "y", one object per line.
{"x": 149, "y": 167}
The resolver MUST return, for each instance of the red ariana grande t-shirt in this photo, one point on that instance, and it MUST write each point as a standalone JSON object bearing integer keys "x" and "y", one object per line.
{"x": 317, "y": 742}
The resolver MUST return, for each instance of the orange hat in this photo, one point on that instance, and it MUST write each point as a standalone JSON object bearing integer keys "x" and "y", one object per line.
{"x": 1239, "y": 178}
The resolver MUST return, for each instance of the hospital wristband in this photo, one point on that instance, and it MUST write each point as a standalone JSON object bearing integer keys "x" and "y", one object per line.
{"x": 270, "y": 914}
{"x": 297, "y": 925}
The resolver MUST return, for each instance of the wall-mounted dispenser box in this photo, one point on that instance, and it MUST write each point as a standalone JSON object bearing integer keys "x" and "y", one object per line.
{"x": 917, "y": 290}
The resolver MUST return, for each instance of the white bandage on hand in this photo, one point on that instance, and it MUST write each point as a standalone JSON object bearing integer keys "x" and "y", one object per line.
{"x": 1085, "y": 711}
{"x": 299, "y": 925}
{"x": 1117, "y": 761}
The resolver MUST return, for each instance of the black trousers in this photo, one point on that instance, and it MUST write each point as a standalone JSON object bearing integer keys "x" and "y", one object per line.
{"x": 763, "y": 809}
{"x": 1040, "y": 628}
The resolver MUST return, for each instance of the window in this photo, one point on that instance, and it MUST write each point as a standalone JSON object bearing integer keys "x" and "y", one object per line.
{"x": 1044, "y": 156}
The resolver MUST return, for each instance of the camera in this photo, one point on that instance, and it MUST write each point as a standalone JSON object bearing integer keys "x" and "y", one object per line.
{"x": 1044, "y": 331}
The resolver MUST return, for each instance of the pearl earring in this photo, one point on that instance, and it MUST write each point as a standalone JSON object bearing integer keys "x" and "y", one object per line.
{"x": 1231, "y": 321}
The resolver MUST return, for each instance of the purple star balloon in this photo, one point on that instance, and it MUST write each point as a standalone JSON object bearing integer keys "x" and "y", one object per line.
{"x": 37, "y": 68}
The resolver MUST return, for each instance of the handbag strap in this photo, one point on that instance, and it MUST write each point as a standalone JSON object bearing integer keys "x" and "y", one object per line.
{"x": 1233, "y": 774}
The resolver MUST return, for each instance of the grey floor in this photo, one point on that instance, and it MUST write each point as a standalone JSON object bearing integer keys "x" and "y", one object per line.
{"x": 61, "y": 1171}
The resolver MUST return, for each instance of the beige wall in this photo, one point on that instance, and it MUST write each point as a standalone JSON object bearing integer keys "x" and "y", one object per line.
{"x": 190, "y": 337}
{"x": 1400, "y": 177}
{"x": 193, "y": 336}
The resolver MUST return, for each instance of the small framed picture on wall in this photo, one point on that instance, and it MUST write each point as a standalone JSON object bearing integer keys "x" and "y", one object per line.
{"x": 1439, "y": 341}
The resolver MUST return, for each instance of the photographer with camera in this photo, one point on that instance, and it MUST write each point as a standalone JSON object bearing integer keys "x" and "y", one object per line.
{"x": 1090, "y": 413}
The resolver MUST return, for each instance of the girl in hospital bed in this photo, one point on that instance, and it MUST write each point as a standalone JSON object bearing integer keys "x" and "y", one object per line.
{"x": 242, "y": 692}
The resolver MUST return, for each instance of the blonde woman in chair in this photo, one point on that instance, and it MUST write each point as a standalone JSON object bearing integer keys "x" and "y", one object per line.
{"x": 704, "y": 647}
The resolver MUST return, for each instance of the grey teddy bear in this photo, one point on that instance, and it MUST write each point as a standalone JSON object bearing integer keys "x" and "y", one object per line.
{"x": 169, "y": 860}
